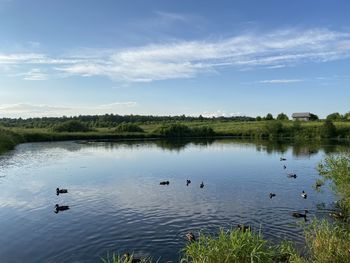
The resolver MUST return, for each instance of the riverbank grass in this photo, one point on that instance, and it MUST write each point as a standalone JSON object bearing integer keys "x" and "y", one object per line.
{"x": 236, "y": 246}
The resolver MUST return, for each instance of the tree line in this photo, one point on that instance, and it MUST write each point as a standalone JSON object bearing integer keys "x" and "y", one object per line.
{"x": 109, "y": 120}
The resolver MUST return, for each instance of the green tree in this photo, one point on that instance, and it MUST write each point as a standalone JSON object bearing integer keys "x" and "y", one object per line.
{"x": 269, "y": 117}
{"x": 282, "y": 117}
{"x": 334, "y": 116}
{"x": 313, "y": 117}
{"x": 347, "y": 116}
{"x": 258, "y": 118}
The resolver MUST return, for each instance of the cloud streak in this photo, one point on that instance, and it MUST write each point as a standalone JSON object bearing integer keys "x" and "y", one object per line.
{"x": 187, "y": 59}
{"x": 26, "y": 110}
{"x": 280, "y": 81}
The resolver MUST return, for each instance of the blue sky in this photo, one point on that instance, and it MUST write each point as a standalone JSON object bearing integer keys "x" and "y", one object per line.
{"x": 173, "y": 57}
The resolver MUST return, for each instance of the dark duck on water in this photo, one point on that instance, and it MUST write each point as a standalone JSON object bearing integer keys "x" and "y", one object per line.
{"x": 61, "y": 191}
{"x": 299, "y": 215}
{"x": 59, "y": 208}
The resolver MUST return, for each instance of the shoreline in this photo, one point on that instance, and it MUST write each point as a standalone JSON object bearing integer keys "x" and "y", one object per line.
{"x": 57, "y": 137}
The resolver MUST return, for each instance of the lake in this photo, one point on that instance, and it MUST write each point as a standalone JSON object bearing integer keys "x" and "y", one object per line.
{"x": 117, "y": 205}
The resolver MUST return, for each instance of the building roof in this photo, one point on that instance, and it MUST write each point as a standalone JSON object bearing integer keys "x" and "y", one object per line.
{"x": 301, "y": 115}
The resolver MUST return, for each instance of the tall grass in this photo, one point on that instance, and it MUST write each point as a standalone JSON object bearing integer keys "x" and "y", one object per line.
{"x": 9, "y": 139}
{"x": 114, "y": 258}
{"x": 328, "y": 242}
{"x": 336, "y": 168}
{"x": 236, "y": 246}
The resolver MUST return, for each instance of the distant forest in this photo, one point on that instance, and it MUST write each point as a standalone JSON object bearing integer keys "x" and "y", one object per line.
{"x": 110, "y": 120}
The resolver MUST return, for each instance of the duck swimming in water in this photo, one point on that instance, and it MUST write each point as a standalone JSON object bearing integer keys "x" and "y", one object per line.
{"x": 292, "y": 175}
{"x": 188, "y": 182}
{"x": 299, "y": 215}
{"x": 130, "y": 259}
{"x": 190, "y": 237}
{"x": 61, "y": 191}
{"x": 283, "y": 159}
{"x": 272, "y": 195}
{"x": 303, "y": 194}
{"x": 244, "y": 228}
{"x": 164, "y": 183}
{"x": 59, "y": 208}
{"x": 201, "y": 185}
{"x": 284, "y": 167}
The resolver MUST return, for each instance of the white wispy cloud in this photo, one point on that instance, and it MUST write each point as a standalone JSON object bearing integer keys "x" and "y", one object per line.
{"x": 34, "y": 74}
{"x": 118, "y": 104}
{"x": 186, "y": 59}
{"x": 217, "y": 113}
{"x": 26, "y": 110}
{"x": 172, "y": 16}
{"x": 32, "y": 108}
{"x": 280, "y": 81}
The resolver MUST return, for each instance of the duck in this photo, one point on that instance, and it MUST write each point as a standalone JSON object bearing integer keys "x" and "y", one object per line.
{"x": 188, "y": 182}
{"x": 292, "y": 175}
{"x": 130, "y": 259}
{"x": 337, "y": 215}
{"x": 318, "y": 184}
{"x": 201, "y": 185}
{"x": 59, "y": 208}
{"x": 164, "y": 183}
{"x": 303, "y": 194}
{"x": 272, "y": 195}
{"x": 243, "y": 228}
{"x": 299, "y": 215}
{"x": 283, "y": 159}
{"x": 284, "y": 167}
{"x": 190, "y": 237}
{"x": 61, "y": 191}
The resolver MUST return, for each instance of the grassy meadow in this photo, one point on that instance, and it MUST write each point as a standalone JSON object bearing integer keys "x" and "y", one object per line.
{"x": 77, "y": 130}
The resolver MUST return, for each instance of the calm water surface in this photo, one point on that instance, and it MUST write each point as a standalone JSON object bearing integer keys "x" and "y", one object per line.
{"x": 117, "y": 205}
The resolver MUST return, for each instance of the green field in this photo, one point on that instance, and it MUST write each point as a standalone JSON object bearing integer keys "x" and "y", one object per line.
{"x": 315, "y": 130}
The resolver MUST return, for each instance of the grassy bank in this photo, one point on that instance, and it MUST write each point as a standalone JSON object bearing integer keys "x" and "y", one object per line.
{"x": 271, "y": 130}
{"x": 9, "y": 139}
{"x": 228, "y": 246}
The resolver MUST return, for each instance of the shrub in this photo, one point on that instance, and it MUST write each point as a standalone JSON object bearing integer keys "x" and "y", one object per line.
{"x": 128, "y": 127}
{"x": 8, "y": 139}
{"x": 71, "y": 126}
{"x": 328, "y": 129}
{"x": 180, "y": 130}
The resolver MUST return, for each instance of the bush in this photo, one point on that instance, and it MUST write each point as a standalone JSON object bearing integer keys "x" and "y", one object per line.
{"x": 180, "y": 130}
{"x": 71, "y": 126}
{"x": 274, "y": 128}
{"x": 328, "y": 129}
{"x": 8, "y": 140}
{"x": 128, "y": 127}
